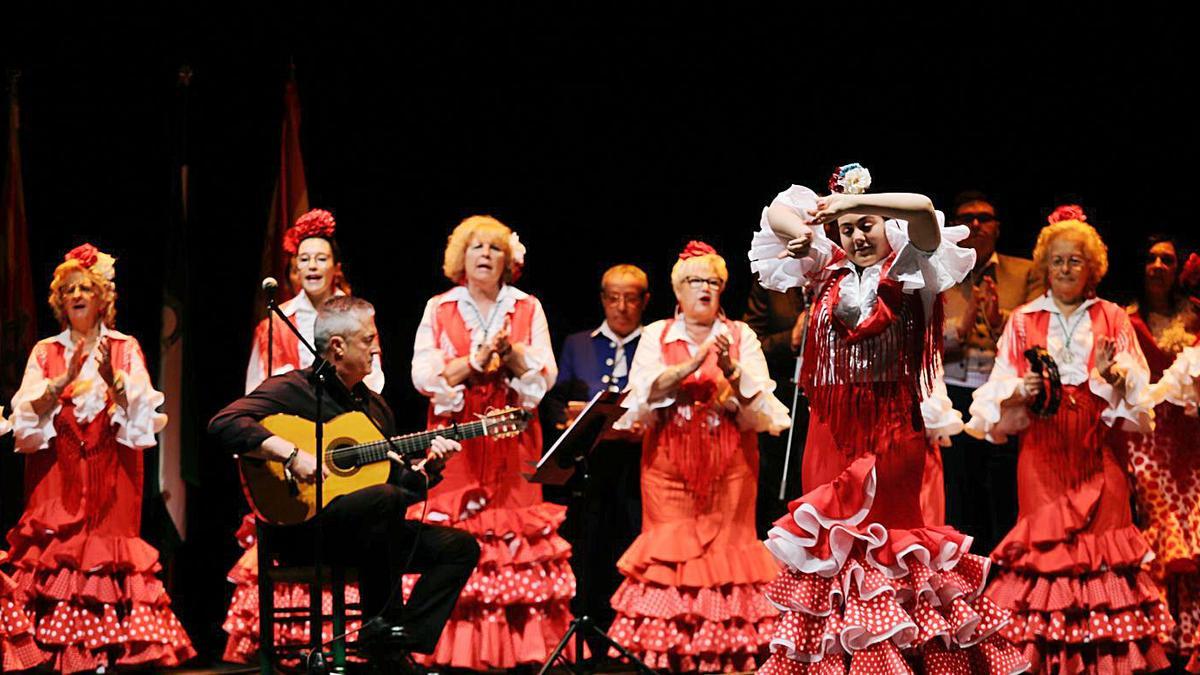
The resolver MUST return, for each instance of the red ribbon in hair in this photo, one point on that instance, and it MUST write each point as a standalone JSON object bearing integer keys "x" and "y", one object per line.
{"x": 315, "y": 223}
{"x": 695, "y": 249}
{"x": 1067, "y": 212}
{"x": 1189, "y": 277}
{"x": 84, "y": 253}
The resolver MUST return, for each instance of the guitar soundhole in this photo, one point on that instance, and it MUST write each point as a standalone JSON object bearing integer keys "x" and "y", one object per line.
{"x": 342, "y": 461}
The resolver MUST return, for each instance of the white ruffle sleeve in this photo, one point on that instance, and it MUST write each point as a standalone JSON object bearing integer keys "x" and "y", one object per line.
{"x": 942, "y": 421}
{"x": 429, "y": 363}
{"x": 647, "y": 366}
{"x": 533, "y": 384}
{"x": 992, "y": 417}
{"x": 929, "y": 273}
{"x": 762, "y": 411}
{"x": 1178, "y": 385}
{"x": 768, "y": 251}
{"x": 32, "y": 432}
{"x": 1130, "y": 404}
{"x": 138, "y": 423}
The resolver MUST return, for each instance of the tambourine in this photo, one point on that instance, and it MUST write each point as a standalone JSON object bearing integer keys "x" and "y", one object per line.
{"x": 1045, "y": 404}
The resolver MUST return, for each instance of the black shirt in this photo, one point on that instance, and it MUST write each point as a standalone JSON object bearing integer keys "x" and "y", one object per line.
{"x": 238, "y": 430}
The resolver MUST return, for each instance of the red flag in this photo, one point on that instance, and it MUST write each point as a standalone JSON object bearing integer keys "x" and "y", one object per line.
{"x": 18, "y": 313}
{"x": 290, "y": 200}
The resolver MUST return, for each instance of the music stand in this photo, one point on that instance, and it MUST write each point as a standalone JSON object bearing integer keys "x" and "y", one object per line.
{"x": 555, "y": 468}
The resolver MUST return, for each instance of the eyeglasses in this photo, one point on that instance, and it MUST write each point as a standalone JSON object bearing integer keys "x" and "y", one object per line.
{"x": 696, "y": 283}
{"x": 1073, "y": 263}
{"x": 617, "y": 298}
{"x": 969, "y": 218}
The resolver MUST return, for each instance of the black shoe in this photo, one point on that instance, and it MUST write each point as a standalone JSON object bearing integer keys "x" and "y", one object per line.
{"x": 383, "y": 633}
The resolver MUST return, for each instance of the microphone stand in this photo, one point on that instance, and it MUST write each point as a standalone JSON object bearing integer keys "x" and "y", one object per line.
{"x": 320, "y": 366}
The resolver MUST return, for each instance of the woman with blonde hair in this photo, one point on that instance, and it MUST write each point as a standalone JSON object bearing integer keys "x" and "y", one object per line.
{"x": 486, "y": 344}
{"x": 1069, "y": 370}
{"x": 692, "y": 596}
{"x": 84, "y": 413}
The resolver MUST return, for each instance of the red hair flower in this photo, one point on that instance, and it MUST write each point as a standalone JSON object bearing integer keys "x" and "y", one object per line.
{"x": 315, "y": 223}
{"x": 86, "y": 254}
{"x": 1067, "y": 212}
{"x": 695, "y": 249}
{"x": 1189, "y": 277}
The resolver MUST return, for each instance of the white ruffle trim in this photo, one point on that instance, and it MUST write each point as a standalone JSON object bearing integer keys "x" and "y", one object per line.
{"x": 1178, "y": 384}
{"x": 137, "y": 424}
{"x": 768, "y": 251}
{"x": 763, "y": 412}
{"x": 1129, "y": 405}
{"x": 991, "y": 420}
{"x": 942, "y": 421}
{"x": 445, "y": 398}
{"x": 531, "y": 386}
{"x": 936, "y": 271}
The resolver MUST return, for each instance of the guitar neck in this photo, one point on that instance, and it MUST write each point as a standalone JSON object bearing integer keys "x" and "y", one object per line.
{"x": 411, "y": 444}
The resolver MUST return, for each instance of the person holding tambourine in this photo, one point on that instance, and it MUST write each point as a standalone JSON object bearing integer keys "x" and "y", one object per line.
{"x": 1068, "y": 371}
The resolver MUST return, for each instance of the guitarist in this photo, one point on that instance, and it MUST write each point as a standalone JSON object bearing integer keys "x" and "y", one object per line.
{"x": 365, "y": 529}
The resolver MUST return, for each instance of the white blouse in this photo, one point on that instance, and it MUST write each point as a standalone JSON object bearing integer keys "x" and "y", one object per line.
{"x": 763, "y": 412}
{"x": 430, "y": 358}
{"x": 135, "y": 424}
{"x": 302, "y": 313}
{"x": 1070, "y": 341}
{"x": 926, "y": 273}
{"x": 1179, "y": 383}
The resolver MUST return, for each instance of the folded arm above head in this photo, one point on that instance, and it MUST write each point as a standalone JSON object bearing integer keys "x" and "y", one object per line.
{"x": 916, "y": 209}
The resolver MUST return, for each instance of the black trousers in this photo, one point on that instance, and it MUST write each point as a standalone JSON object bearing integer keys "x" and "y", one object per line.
{"x": 981, "y": 483}
{"x": 367, "y": 530}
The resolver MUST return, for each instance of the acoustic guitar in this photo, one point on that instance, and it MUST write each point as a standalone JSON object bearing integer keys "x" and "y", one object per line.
{"x": 356, "y": 455}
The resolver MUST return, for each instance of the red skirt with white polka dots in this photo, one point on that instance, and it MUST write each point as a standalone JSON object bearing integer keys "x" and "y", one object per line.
{"x": 18, "y": 651}
{"x": 1072, "y": 568}
{"x": 87, "y": 583}
{"x": 858, "y": 596}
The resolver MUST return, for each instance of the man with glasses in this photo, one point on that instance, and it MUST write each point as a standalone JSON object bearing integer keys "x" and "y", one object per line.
{"x": 981, "y": 497}
{"x": 593, "y": 361}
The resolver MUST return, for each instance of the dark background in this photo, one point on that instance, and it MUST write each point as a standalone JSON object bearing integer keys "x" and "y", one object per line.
{"x": 600, "y": 134}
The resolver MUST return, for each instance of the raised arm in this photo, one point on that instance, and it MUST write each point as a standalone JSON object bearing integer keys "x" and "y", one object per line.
{"x": 923, "y": 229}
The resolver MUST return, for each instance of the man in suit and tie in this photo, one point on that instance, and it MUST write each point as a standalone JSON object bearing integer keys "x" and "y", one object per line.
{"x": 593, "y": 361}
{"x": 981, "y": 497}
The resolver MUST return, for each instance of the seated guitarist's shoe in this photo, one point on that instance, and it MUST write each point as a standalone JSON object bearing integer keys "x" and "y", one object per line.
{"x": 384, "y": 634}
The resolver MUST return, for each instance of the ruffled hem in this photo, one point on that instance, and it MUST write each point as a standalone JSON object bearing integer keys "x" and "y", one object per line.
{"x": 507, "y": 536}
{"x": 680, "y": 554}
{"x": 1108, "y": 621}
{"x": 488, "y": 638}
{"x": 18, "y": 651}
{"x": 1054, "y": 546}
{"x": 994, "y": 655}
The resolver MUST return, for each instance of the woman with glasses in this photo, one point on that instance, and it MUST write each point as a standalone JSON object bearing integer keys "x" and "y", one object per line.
{"x": 868, "y": 585}
{"x": 692, "y": 596}
{"x": 1165, "y": 465}
{"x": 1071, "y": 569}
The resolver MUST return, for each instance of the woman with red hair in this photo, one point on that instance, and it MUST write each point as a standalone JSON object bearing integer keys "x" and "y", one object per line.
{"x": 1068, "y": 370}
{"x": 868, "y": 585}
{"x": 85, "y": 412}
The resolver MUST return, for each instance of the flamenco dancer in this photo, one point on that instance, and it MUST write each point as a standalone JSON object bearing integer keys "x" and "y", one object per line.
{"x": 85, "y": 411}
{"x": 1071, "y": 569}
{"x": 317, "y": 268}
{"x": 868, "y": 586}
{"x": 692, "y": 595}
{"x": 485, "y": 344}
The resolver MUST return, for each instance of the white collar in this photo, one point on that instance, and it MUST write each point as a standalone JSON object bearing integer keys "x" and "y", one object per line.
{"x": 607, "y": 332}
{"x": 679, "y": 329}
{"x": 461, "y": 294}
{"x": 64, "y": 338}
{"x": 1045, "y": 303}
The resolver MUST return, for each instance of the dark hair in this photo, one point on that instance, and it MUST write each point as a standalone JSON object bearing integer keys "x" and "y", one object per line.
{"x": 968, "y": 196}
{"x": 1152, "y": 240}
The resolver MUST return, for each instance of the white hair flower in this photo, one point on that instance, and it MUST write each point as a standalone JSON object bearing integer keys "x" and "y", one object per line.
{"x": 517, "y": 248}
{"x": 856, "y": 181}
{"x": 105, "y": 265}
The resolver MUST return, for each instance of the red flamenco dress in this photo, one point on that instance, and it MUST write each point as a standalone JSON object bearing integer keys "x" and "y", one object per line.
{"x": 242, "y": 619}
{"x": 515, "y": 607}
{"x": 868, "y": 586}
{"x": 1166, "y": 468}
{"x": 692, "y": 598}
{"x": 84, "y": 578}
{"x": 1071, "y": 570}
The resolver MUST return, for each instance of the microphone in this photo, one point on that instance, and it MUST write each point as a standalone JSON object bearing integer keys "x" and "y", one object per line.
{"x": 270, "y": 287}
